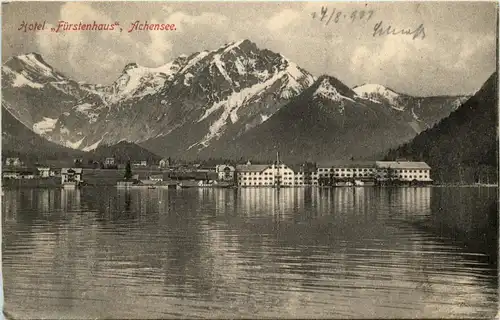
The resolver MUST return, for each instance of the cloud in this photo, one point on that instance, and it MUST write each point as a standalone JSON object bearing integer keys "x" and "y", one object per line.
{"x": 82, "y": 48}
{"x": 160, "y": 45}
{"x": 471, "y": 48}
{"x": 113, "y": 49}
{"x": 282, "y": 19}
{"x": 401, "y": 55}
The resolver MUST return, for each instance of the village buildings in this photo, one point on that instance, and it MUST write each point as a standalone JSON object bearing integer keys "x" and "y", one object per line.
{"x": 274, "y": 174}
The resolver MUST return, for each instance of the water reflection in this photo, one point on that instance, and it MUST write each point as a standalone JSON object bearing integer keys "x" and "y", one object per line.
{"x": 156, "y": 253}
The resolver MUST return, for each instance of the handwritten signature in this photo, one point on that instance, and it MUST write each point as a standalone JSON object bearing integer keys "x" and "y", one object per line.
{"x": 380, "y": 30}
{"x": 355, "y": 15}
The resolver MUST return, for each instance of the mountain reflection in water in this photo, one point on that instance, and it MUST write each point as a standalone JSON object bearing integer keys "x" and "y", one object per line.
{"x": 336, "y": 253}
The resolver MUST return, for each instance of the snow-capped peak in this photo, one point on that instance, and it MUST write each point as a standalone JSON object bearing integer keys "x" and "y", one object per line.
{"x": 31, "y": 65}
{"x": 233, "y": 45}
{"x": 33, "y": 59}
{"x": 137, "y": 81}
{"x": 326, "y": 90}
{"x": 371, "y": 90}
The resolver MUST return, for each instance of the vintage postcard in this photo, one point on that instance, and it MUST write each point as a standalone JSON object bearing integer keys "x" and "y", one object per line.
{"x": 249, "y": 160}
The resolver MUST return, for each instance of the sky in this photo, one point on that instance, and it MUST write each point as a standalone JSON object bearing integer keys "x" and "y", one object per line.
{"x": 456, "y": 56}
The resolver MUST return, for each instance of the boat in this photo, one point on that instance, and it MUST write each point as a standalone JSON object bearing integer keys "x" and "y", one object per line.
{"x": 358, "y": 183}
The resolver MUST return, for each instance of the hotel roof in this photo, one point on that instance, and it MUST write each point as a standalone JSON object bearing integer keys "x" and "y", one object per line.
{"x": 403, "y": 164}
{"x": 252, "y": 167}
{"x": 347, "y": 164}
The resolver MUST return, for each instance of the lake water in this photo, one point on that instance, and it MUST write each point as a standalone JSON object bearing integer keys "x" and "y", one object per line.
{"x": 253, "y": 253}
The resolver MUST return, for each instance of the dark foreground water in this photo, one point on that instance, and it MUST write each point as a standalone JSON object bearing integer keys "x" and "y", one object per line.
{"x": 315, "y": 253}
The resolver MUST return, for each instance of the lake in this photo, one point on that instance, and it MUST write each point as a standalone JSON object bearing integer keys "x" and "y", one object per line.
{"x": 221, "y": 253}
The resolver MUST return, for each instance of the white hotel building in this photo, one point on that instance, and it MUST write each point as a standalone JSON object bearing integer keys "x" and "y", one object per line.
{"x": 405, "y": 171}
{"x": 254, "y": 175}
{"x": 271, "y": 175}
{"x": 345, "y": 170}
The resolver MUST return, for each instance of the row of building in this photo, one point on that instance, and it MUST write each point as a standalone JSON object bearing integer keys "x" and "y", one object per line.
{"x": 274, "y": 174}
{"x": 109, "y": 162}
{"x": 66, "y": 174}
{"x": 330, "y": 173}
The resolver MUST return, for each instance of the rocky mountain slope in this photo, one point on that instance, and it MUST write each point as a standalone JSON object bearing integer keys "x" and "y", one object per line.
{"x": 19, "y": 141}
{"x": 327, "y": 121}
{"x": 464, "y": 144}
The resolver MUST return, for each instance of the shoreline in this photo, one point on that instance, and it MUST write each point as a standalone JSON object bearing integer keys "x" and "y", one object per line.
{"x": 12, "y": 187}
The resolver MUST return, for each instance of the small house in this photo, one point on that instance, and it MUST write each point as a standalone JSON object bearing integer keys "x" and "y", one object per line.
{"x": 109, "y": 161}
{"x": 43, "y": 172}
{"x": 164, "y": 163}
{"x": 71, "y": 175}
{"x": 141, "y": 163}
{"x": 225, "y": 172}
{"x": 13, "y": 162}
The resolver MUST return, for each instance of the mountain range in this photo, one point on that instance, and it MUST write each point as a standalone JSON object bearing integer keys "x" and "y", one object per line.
{"x": 235, "y": 101}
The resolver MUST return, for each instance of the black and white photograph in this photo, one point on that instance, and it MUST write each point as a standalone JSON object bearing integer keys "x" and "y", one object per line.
{"x": 256, "y": 160}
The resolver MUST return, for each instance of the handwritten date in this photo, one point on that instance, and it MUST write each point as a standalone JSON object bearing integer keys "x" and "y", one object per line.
{"x": 336, "y": 16}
